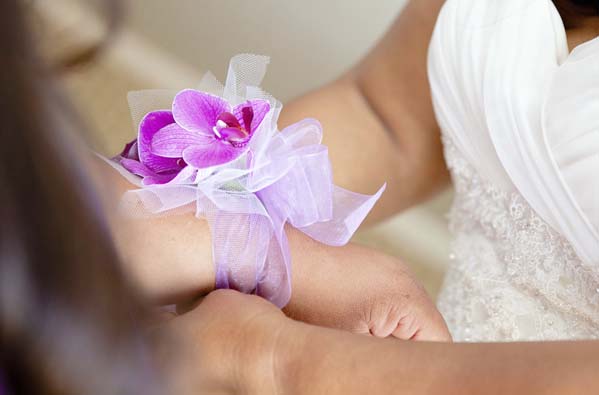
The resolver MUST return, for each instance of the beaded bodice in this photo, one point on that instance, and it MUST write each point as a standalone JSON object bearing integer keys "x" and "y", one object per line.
{"x": 518, "y": 110}
{"x": 511, "y": 277}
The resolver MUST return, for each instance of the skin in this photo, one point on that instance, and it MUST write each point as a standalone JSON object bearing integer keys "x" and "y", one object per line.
{"x": 352, "y": 287}
{"x": 242, "y": 344}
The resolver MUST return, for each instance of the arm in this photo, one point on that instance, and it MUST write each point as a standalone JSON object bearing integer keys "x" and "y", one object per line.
{"x": 340, "y": 363}
{"x": 391, "y": 136}
{"x": 350, "y": 287}
{"x": 252, "y": 346}
{"x": 391, "y": 129}
{"x": 378, "y": 118}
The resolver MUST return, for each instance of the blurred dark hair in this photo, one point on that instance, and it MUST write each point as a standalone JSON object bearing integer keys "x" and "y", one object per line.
{"x": 68, "y": 319}
{"x": 573, "y": 11}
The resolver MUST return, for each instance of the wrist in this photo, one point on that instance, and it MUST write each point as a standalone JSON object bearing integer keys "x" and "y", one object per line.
{"x": 266, "y": 350}
{"x": 274, "y": 361}
{"x": 291, "y": 357}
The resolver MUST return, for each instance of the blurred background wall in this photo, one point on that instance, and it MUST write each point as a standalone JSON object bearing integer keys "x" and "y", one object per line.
{"x": 169, "y": 44}
{"x": 309, "y": 41}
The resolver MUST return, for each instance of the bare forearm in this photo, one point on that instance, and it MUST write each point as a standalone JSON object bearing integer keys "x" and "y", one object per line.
{"x": 317, "y": 360}
{"x": 170, "y": 258}
{"x": 361, "y": 290}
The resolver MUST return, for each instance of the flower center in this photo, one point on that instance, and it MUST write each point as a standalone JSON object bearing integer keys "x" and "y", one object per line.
{"x": 219, "y": 125}
{"x": 229, "y": 129}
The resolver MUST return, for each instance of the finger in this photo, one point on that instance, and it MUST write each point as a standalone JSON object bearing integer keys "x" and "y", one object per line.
{"x": 186, "y": 307}
{"x": 438, "y": 333}
{"x": 406, "y": 328}
{"x": 385, "y": 319}
{"x": 383, "y": 329}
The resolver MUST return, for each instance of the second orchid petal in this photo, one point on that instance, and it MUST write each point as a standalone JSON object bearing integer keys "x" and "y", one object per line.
{"x": 213, "y": 154}
{"x": 135, "y": 167}
{"x": 198, "y": 111}
{"x": 148, "y": 127}
{"x": 172, "y": 140}
{"x": 259, "y": 108}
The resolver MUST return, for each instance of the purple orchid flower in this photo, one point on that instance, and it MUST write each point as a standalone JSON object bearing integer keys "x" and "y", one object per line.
{"x": 137, "y": 158}
{"x": 207, "y": 131}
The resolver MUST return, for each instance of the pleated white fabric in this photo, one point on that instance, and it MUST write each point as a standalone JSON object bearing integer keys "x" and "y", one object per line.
{"x": 520, "y": 119}
{"x": 523, "y": 111}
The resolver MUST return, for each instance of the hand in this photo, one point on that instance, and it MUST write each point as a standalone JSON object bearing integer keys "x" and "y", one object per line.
{"x": 363, "y": 291}
{"x": 228, "y": 343}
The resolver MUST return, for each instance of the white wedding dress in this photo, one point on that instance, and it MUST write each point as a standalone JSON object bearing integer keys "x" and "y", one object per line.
{"x": 520, "y": 122}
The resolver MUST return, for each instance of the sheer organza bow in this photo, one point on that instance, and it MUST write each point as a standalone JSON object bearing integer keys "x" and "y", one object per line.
{"x": 282, "y": 178}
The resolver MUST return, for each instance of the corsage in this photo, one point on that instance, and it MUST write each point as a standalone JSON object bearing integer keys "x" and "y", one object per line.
{"x": 217, "y": 151}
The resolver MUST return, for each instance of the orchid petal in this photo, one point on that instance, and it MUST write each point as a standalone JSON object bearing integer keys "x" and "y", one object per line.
{"x": 259, "y": 107}
{"x": 130, "y": 151}
{"x": 136, "y": 167}
{"x": 161, "y": 165}
{"x": 171, "y": 140}
{"x": 149, "y": 126}
{"x": 149, "y": 176}
{"x": 198, "y": 111}
{"x": 186, "y": 176}
{"x": 158, "y": 179}
{"x": 213, "y": 154}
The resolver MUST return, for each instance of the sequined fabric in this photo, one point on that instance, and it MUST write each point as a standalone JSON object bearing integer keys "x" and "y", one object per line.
{"x": 511, "y": 276}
